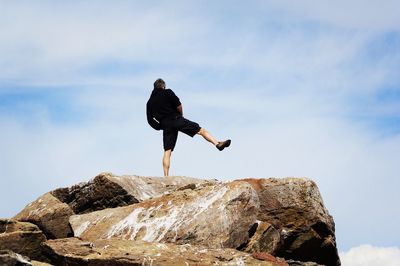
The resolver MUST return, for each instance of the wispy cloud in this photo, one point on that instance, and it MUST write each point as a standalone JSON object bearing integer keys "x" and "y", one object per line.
{"x": 367, "y": 255}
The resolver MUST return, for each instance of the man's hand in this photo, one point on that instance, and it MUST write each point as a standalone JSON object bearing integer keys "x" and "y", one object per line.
{"x": 180, "y": 110}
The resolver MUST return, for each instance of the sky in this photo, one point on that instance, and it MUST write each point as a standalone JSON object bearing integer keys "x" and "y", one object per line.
{"x": 303, "y": 89}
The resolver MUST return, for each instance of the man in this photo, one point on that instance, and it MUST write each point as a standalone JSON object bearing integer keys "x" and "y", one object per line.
{"x": 164, "y": 111}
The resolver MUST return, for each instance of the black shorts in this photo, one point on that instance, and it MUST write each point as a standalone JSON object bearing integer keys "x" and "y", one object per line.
{"x": 171, "y": 128}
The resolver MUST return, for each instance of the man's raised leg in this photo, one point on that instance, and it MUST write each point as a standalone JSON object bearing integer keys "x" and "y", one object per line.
{"x": 219, "y": 144}
{"x": 207, "y": 136}
{"x": 166, "y": 161}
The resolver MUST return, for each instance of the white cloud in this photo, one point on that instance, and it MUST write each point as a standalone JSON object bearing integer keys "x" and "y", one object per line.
{"x": 367, "y": 255}
{"x": 357, "y": 14}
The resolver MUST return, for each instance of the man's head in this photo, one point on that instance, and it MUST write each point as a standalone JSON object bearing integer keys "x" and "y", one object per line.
{"x": 159, "y": 84}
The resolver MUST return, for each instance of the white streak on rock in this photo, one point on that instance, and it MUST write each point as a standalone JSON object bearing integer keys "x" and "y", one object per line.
{"x": 22, "y": 259}
{"x": 38, "y": 210}
{"x": 239, "y": 261}
{"x": 153, "y": 228}
{"x": 82, "y": 228}
{"x": 85, "y": 225}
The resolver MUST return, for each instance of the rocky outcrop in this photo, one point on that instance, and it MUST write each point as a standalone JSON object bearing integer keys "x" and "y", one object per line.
{"x": 22, "y": 238}
{"x": 49, "y": 214}
{"x": 132, "y": 220}
{"x": 73, "y": 251}
{"x": 218, "y": 215}
{"x": 295, "y": 207}
{"x": 51, "y": 211}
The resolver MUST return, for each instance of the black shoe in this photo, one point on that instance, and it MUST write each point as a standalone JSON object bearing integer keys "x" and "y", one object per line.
{"x": 223, "y": 144}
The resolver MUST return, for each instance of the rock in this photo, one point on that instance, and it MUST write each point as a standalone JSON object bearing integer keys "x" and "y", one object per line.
{"x": 22, "y": 238}
{"x": 265, "y": 239}
{"x": 52, "y": 210}
{"x": 39, "y": 263}
{"x": 144, "y": 188}
{"x": 217, "y": 215}
{"x": 72, "y": 251}
{"x": 10, "y": 258}
{"x": 302, "y": 263}
{"x": 97, "y": 194}
{"x": 268, "y": 257}
{"x": 267, "y": 218}
{"x": 109, "y": 191}
{"x": 295, "y": 206}
{"x": 49, "y": 214}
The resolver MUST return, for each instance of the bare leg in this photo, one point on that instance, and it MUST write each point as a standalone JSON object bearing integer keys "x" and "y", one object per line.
{"x": 206, "y": 135}
{"x": 166, "y": 161}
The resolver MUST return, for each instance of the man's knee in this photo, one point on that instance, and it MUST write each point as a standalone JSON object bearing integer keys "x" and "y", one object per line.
{"x": 201, "y": 131}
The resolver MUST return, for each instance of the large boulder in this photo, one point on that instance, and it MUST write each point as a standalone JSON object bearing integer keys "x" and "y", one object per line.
{"x": 213, "y": 215}
{"x": 52, "y": 210}
{"x": 49, "y": 214}
{"x": 294, "y": 206}
{"x": 72, "y": 251}
{"x": 22, "y": 238}
{"x": 267, "y": 218}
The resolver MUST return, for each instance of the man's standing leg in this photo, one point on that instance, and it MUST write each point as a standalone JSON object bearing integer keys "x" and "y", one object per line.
{"x": 170, "y": 137}
{"x": 166, "y": 162}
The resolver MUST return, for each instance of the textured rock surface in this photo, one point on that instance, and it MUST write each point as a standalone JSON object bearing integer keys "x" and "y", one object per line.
{"x": 144, "y": 188}
{"x": 97, "y": 194}
{"x": 109, "y": 191}
{"x": 265, "y": 239}
{"x": 49, "y": 214}
{"x": 295, "y": 207}
{"x": 183, "y": 221}
{"x": 22, "y": 238}
{"x": 218, "y": 215}
{"x": 52, "y": 210}
{"x": 301, "y": 263}
{"x": 10, "y": 258}
{"x": 73, "y": 251}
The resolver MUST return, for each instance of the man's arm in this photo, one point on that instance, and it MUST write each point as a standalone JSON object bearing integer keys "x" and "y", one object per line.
{"x": 180, "y": 109}
{"x": 175, "y": 101}
{"x": 150, "y": 119}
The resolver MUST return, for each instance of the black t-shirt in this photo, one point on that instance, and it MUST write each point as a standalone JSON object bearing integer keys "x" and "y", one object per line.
{"x": 162, "y": 104}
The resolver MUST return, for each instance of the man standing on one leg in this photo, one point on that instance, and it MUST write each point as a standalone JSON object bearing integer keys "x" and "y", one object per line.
{"x": 164, "y": 111}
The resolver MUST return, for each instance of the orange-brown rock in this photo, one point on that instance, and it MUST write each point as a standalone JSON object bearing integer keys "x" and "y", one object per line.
{"x": 74, "y": 252}
{"x": 49, "y": 214}
{"x": 266, "y": 239}
{"x": 214, "y": 215}
{"x": 22, "y": 238}
{"x": 282, "y": 217}
{"x": 294, "y": 206}
{"x": 52, "y": 210}
{"x": 268, "y": 257}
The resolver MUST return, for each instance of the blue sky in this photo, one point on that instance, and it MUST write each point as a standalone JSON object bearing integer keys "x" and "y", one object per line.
{"x": 303, "y": 88}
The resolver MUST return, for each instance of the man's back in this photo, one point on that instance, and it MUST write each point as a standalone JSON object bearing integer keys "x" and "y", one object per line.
{"x": 163, "y": 104}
